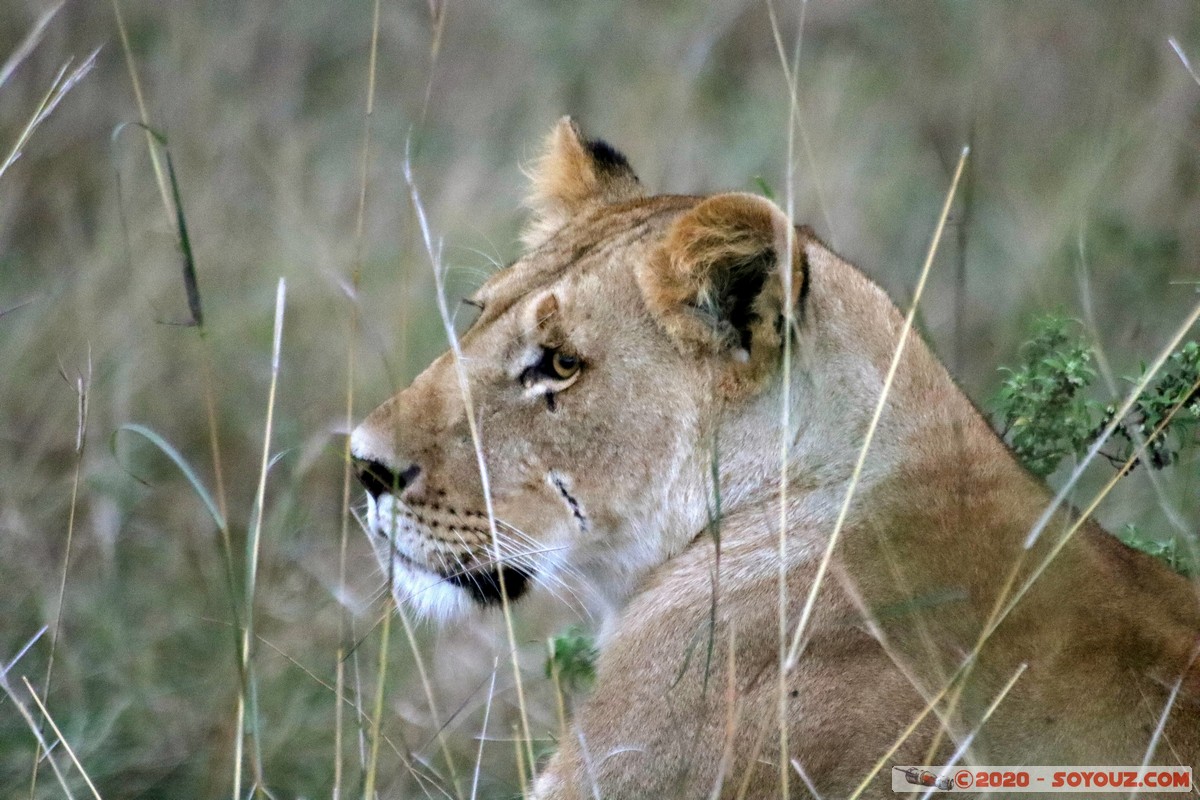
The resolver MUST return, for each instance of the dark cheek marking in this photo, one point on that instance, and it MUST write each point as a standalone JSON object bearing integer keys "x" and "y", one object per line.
{"x": 573, "y": 504}
{"x": 551, "y": 403}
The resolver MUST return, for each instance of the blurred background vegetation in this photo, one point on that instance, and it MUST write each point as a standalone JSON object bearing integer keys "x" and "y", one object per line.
{"x": 1082, "y": 197}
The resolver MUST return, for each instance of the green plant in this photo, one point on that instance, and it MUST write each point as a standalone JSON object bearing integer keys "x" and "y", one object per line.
{"x": 1046, "y": 415}
{"x": 1167, "y": 551}
{"x": 1173, "y": 405}
{"x": 573, "y": 657}
{"x": 1044, "y": 412}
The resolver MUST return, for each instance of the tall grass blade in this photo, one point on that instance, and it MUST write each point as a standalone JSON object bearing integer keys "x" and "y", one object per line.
{"x": 191, "y": 285}
{"x": 380, "y": 687}
{"x": 82, "y": 384}
{"x": 345, "y": 624}
{"x": 6, "y": 668}
{"x": 823, "y": 568}
{"x": 1183, "y": 57}
{"x": 141, "y": 104}
{"x": 59, "y": 87}
{"x": 35, "y": 729}
{"x": 253, "y": 550}
{"x": 487, "y": 711}
{"x": 427, "y": 686}
{"x": 785, "y": 424}
{"x": 26, "y": 45}
{"x": 66, "y": 745}
{"x": 170, "y": 452}
{"x": 435, "y": 258}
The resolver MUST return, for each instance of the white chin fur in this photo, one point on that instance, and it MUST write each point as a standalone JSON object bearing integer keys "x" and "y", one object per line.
{"x": 419, "y": 590}
{"x": 426, "y": 594}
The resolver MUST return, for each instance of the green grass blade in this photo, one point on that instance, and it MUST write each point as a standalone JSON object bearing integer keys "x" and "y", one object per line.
{"x": 191, "y": 285}
{"x": 184, "y": 467}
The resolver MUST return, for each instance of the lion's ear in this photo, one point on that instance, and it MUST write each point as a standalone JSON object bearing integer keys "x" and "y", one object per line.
{"x": 717, "y": 282}
{"x": 572, "y": 174}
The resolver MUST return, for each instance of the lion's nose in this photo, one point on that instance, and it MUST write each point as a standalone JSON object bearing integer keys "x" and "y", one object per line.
{"x": 378, "y": 478}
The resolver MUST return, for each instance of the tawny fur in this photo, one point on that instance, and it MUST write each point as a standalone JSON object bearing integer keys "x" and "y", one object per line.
{"x": 613, "y": 487}
{"x": 567, "y": 179}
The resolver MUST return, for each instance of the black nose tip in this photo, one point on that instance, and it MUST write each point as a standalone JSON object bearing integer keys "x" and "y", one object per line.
{"x": 379, "y": 479}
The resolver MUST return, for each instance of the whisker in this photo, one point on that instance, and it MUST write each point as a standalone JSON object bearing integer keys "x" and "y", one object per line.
{"x": 514, "y": 548}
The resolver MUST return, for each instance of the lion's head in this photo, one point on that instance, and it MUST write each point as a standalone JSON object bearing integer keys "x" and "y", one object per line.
{"x": 574, "y": 436}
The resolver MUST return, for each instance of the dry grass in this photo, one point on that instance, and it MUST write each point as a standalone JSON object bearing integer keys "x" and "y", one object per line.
{"x": 1085, "y": 134}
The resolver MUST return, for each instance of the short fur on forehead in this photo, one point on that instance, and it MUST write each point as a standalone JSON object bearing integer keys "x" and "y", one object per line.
{"x": 716, "y": 284}
{"x": 573, "y": 174}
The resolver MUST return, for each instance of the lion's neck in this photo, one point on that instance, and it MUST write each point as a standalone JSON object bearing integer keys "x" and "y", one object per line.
{"x": 937, "y": 489}
{"x": 847, "y": 338}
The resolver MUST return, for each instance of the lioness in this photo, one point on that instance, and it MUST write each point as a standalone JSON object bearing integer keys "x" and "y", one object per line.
{"x": 615, "y": 419}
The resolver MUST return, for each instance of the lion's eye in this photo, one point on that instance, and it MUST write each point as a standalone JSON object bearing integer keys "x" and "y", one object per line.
{"x": 556, "y": 368}
{"x": 563, "y": 366}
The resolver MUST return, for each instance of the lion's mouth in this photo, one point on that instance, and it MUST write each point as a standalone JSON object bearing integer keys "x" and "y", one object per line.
{"x": 478, "y": 574}
{"x": 486, "y": 585}
{"x": 489, "y": 586}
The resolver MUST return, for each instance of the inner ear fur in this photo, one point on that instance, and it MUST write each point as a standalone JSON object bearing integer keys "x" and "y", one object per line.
{"x": 573, "y": 174}
{"x": 716, "y": 284}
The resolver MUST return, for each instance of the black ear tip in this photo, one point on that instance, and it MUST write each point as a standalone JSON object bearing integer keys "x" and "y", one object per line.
{"x": 606, "y": 156}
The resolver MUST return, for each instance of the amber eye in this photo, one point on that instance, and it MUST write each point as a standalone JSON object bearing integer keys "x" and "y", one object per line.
{"x": 563, "y": 365}
{"x": 556, "y": 368}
